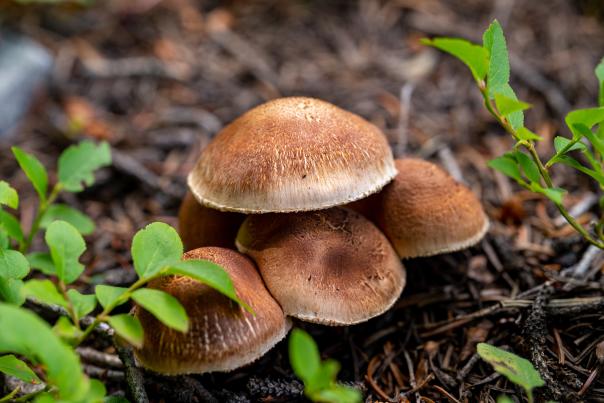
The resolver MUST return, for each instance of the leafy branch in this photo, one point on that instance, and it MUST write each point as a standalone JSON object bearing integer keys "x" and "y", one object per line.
{"x": 490, "y": 68}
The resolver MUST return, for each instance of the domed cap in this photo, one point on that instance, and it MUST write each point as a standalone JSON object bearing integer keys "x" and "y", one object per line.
{"x": 222, "y": 336}
{"x": 292, "y": 154}
{"x": 424, "y": 211}
{"x": 199, "y": 225}
{"x": 332, "y": 266}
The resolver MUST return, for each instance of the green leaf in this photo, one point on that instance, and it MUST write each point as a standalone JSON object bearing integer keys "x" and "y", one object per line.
{"x": 82, "y": 304}
{"x": 128, "y": 327}
{"x": 528, "y": 166}
{"x": 506, "y": 105}
{"x": 566, "y": 160}
{"x": 43, "y": 262}
{"x": 326, "y": 375}
{"x": 588, "y": 117}
{"x": 70, "y": 215}
{"x": 11, "y": 291}
{"x": 66, "y": 330}
{"x": 164, "y": 307}
{"x": 516, "y": 118}
{"x": 526, "y": 134}
{"x": 554, "y": 194}
{"x": 507, "y": 166}
{"x": 78, "y": 163}
{"x": 561, "y": 142}
{"x": 600, "y": 75}
{"x": 155, "y": 247}
{"x": 517, "y": 369}
{"x": 304, "y": 356}
{"x": 31, "y": 337}
{"x": 473, "y": 56}
{"x": 498, "y": 74}
{"x": 8, "y": 195}
{"x": 504, "y": 399}
{"x": 109, "y": 295}
{"x": 4, "y": 241}
{"x": 34, "y": 170}
{"x": 11, "y": 365}
{"x": 208, "y": 273}
{"x": 66, "y": 246}
{"x": 10, "y": 224}
{"x": 596, "y": 141}
{"x": 13, "y": 264}
{"x": 44, "y": 291}
{"x": 338, "y": 394}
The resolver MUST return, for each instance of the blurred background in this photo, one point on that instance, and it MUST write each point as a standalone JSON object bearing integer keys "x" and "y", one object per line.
{"x": 158, "y": 79}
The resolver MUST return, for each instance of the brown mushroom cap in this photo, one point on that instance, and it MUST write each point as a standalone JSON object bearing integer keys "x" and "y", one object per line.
{"x": 199, "y": 225}
{"x": 332, "y": 266}
{"x": 292, "y": 154}
{"x": 222, "y": 336}
{"x": 424, "y": 211}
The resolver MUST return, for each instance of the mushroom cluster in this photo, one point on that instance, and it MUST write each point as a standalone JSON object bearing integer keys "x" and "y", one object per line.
{"x": 311, "y": 193}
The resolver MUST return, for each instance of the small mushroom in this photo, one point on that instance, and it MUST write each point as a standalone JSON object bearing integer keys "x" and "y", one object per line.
{"x": 331, "y": 266}
{"x": 424, "y": 211}
{"x": 222, "y": 336}
{"x": 199, "y": 225}
{"x": 292, "y": 154}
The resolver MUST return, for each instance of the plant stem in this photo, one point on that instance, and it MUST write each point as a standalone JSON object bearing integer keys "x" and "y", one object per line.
{"x": 104, "y": 314}
{"x": 70, "y": 308}
{"x": 42, "y": 209}
{"x": 10, "y": 395}
{"x": 540, "y": 166}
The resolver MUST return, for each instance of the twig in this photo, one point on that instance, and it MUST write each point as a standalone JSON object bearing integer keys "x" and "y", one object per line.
{"x": 403, "y": 121}
{"x": 97, "y": 357}
{"x": 450, "y": 163}
{"x": 412, "y": 381}
{"x": 581, "y": 207}
{"x": 134, "y": 377}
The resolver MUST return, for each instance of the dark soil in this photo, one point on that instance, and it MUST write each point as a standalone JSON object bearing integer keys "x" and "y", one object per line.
{"x": 158, "y": 79}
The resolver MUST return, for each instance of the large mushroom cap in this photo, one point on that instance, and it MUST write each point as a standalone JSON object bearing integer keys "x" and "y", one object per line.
{"x": 424, "y": 211}
{"x": 222, "y": 336}
{"x": 331, "y": 266}
{"x": 292, "y": 154}
{"x": 199, "y": 225}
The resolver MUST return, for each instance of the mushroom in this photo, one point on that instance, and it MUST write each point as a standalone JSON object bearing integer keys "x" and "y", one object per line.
{"x": 222, "y": 336}
{"x": 424, "y": 211}
{"x": 199, "y": 225}
{"x": 292, "y": 154}
{"x": 331, "y": 266}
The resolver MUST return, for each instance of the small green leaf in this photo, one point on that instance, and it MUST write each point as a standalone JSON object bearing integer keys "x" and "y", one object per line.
{"x": 11, "y": 291}
{"x": 600, "y": 75}
{"x": 78, "y": 163}
{"x": 473, "y": 56}
{"x": 8, "y": 195}
{"x": 554, "y": 194}
{"x": 595, "y": 140}
{"x": 516, "y": 118}
{"x": 44, "y": 291}
{"x": 164, "y": 307}
{"x": 338, "y": 394}
{"x": 70, "y": 215}
{"x": 82, "y": 304}
{"x": 528, "y": 166}
{"x": 507, "y": 166}
{"x": 506, "y": 105}
{"x": 571, "y": 162}
{"x": 43, "y": 262}
{"x": 66, "y": 330}
{"x": 34, "y": 170}
{"x": 517, "y": 369}
{"x": 304, "y": 355}
{"x": 155, "y": 247}
{"x": 561, "y": 142}
{"x": 11, "y": 365}
{"x": 128, "y": 327}
{"x": 13, "y": 264}
{"x": 526, "y": 134}
{"x": 588, "y": 117}
{"x": 109, "y": 295}
{"x": 10, "y": 224}
{"x": 504, "y": 399}
{"x": 210, "y": 274}
{"x": 325, "y": 377}
{"x": 66, "y": 246}
{"x": 498, "y": 74}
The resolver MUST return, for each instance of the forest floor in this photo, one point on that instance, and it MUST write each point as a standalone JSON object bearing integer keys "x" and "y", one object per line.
{"x": 157, "y": 79}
